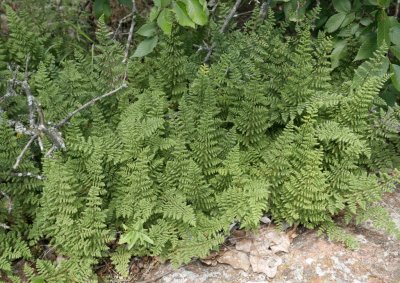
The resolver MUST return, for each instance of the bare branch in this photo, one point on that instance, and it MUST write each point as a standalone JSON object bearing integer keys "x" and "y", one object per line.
{"x": 21, "y": 155}
{"x": 124, "y": 19}
{"x": 88, "y": 104}
{"x": 29, "y": 98}
{"x": 54, "y": 135}
{"x": 130, "y": 36}
{"x": 28, "y": 174}
{"x": 230, "y": 16}
{"x": 5, "y": 226}
{"x": 9, "y": 202}
{"x": 210, "y": 50}
{"x": 223, "y": 28}
{"x": 20, "y": 128}
{"x": 50, "y": 151}
{"x": 40, "y": 143}
{"x": 397, "y": 9}
{"x": 264, "y": 9}
{"x": 11, "y": 83}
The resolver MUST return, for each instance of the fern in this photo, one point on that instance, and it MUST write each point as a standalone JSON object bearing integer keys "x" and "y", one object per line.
{"x": 165, "y": 166}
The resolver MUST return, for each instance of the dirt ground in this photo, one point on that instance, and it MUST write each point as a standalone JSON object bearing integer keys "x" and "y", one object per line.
{"x": 309, "y": 259}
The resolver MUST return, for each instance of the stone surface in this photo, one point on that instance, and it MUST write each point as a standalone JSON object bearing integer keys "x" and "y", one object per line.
{"x": 236, "y": 259}
{"x": 310, "y": 259}
{"x": 268, "y": 266}
{"x": 243, "y": 245}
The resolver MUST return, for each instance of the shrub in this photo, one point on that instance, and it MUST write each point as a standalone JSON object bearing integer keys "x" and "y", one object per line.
{"x": 175, "y": 154}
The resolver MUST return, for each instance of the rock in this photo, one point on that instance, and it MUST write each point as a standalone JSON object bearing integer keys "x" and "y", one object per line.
{"x": 260, "y": 249}
{"x": 244, "y": 245}
{"x": 268, "y": 266}
{"x": 211, "y": 262}
{"x": 274, "y": 237}
{"x": 283, "y": 246}
{"x": 265, "y": 220}
{"x": 236, "y": 259}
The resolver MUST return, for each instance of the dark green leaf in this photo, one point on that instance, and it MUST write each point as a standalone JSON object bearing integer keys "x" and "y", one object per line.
{"x": 366, "y": 21}
{"x": 394, "y": 34}
{"x": 181, "y": 15}
{"x": 162, "y": 3}
{"x": 348, "y": 19}
{"x": 396, "y": 76}
{"x": 383, "y": 28}
{"x": 102, "y": 7}
{"x": 383, "y": 69}
{"x": 367, "y": 48}
{"x": 338, "y": 52}
{"x": 196, "y": 12}
{"x": 383, "y": 3}
{"x": 164, "y": 21}
{"x": 125, "y": 2}
{"x": 390, "y": 95}
{"x": 343, "y": 6}
{"x": 154, "y": 12}
{"x": 334, "y": 22}
{"x": 146, "y": 47}
{"x": 396, "y": 51}
{"x": 147, "y": 30}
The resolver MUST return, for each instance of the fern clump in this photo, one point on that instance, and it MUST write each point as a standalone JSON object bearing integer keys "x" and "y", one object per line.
{"x": 179, "y": 151}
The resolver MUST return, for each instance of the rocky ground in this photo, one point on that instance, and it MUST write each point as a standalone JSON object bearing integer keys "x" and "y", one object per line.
{"x": 271, "y": 256}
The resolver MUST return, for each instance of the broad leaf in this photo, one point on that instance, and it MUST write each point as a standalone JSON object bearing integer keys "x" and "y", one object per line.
{"x": 196, "y": 12}
{"x": 146, "y": 47}
{"x": 164, "y": 21}
{"x": 162, "y": 3}
{"x": 181, "y": 15}
{"x": 338, "y": 52}
{"x": 102, "y": 7}
{"x": 147, "y": 30}
{"x": 396, "y": 76}
{"x": 348, "y": 19}
{"x": 366, "y": 21}
{"x": 154, "y": 12}
{"x": 394, "y": 34}
{"x": 383, "y": 3}
{"x": 396, "y": 51}
{"x": 383, "y": 28}
{"x": 334, "y": 22}
{"x": 367, "y": 47}
{"x": 126, "y": 2}
{"x": 343, "y": 6}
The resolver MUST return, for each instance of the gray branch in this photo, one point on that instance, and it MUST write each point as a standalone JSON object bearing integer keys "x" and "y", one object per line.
{"x": 9, "y": 202}
{"x": 88, "y": 104}
{"x": 223, "y": 28}
{"x": 24, "y": 150}
{"x": 130, "y": 35}
{"x": 28, "y": 174}
{"x": 230, "y": 16}
{"x": 264, "y": 9}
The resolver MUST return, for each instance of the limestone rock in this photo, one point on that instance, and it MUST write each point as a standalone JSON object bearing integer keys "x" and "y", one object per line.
{"x": 244, "y": 245}
{"x": 268, "y": 266}
{"x": 236, "y": 259}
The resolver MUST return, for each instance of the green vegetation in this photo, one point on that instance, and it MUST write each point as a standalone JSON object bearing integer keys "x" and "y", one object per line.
{"x": 106, "y": 153}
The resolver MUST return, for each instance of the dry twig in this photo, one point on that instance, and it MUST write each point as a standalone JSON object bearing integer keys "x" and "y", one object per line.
{"x": 24, "y": 150}
{"x": 87, "y": 104}
{"x": 223, "y": 28}
{"x": 130, "y": 35}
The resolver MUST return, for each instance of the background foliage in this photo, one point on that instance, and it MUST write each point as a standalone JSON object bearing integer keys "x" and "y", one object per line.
{"x": 170, "y": 152}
